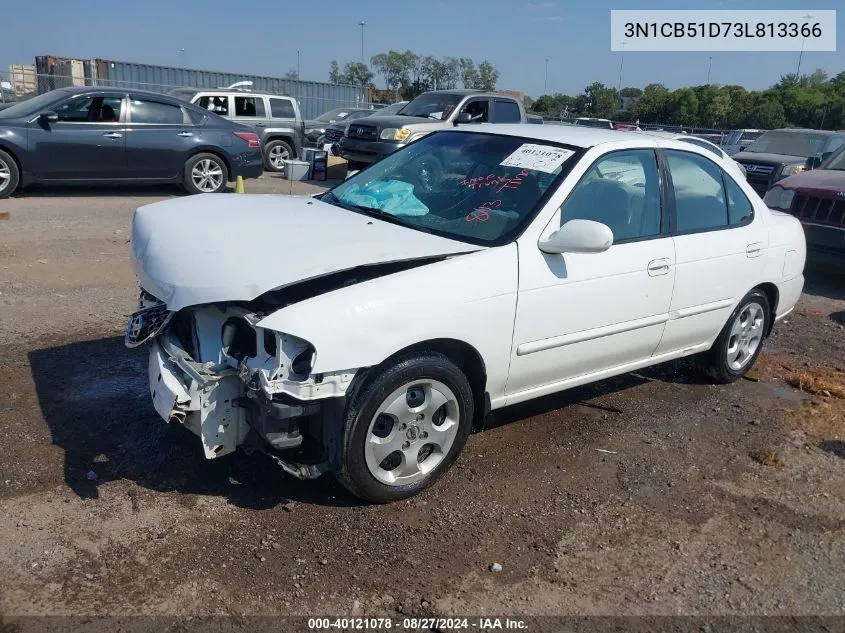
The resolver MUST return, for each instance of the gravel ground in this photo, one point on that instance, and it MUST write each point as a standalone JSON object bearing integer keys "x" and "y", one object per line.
{"x": 654, "y": 493}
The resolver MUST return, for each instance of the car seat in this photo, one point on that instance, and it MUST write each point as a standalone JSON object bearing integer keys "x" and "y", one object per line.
{"x": 107, "y": 114}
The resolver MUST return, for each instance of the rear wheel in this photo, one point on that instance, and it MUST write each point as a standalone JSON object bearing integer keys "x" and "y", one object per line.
{"x": 9, "y": 175}
{"x": 275, "y": 154}
{"x": 741, "y": 340}
{"x": 205, "y": 173}
{"x": 404, "y": 427}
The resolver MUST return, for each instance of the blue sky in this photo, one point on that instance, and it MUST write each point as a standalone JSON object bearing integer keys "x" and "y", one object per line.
{"x": 515, "y": 35}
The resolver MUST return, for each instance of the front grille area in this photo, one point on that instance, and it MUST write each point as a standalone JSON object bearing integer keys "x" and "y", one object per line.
{"x": 829, "y": 211}
{"x": 363, "y": 132}
{"x": 758, "y": 176}
{"x": 333, "y": 136}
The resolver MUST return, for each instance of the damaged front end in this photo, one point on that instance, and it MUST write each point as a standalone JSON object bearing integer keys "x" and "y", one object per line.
{"x": 232, "y": 383}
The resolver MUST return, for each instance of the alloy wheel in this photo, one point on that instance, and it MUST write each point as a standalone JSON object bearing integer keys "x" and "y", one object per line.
{"x": 745, "y": 336}
{"x": 207, "y": 175}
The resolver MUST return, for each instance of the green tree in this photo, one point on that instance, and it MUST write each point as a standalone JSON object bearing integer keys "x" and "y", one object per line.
{"x": 629, "y": 91}
{"x": 291, "y": 74}
{"x": 487, "y": 76}
{"x": 356, "y": 74}
{"x": 334, "y": 72}
{"x": 393, "y": 66}
{"x": 602, "y": 100}
{"x": 653, "y": 104}
{"x": 684, "y": 106}
{"x": 468, "y": 72}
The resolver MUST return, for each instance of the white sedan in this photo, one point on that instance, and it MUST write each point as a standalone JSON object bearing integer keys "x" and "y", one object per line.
{"x": 364, "y": 331}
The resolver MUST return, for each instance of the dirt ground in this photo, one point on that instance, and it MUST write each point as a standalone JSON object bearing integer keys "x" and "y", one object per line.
{"x": 655, "y": 493}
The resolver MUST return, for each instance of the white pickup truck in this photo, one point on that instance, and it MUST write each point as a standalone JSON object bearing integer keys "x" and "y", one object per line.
{"x": 377, "y": 136}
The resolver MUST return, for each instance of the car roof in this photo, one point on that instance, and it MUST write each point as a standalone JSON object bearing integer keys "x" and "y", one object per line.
{"x": 805, "y": 130}
{"x": 579, "y": 136}
{"x": 75, "y": 90}
{"x": 232, "y": 91}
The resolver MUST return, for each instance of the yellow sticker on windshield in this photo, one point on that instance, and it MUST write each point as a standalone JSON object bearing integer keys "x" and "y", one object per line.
{"x": 545, "y": 158}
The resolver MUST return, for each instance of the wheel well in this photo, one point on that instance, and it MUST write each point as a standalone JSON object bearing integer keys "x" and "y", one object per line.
{"x": 467, "y": 358}
{"x": 15, "y": 158}
{"x": 215, "y": 153}
{"x": 771, "y": 292}
{"x": 277, "y": 137}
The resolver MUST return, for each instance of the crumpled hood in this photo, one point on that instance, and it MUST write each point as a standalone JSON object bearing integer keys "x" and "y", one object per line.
{"x": 218, "y": 247}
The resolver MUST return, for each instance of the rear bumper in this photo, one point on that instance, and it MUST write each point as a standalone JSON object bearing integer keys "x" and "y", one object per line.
{"x": 247, "y": 165}
{"x": 366, "y": 151}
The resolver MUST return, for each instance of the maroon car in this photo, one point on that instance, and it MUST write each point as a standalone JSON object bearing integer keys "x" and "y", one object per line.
{"x": 817, "y": 198}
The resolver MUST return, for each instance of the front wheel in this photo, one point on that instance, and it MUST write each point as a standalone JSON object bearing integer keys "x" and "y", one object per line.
{"x": 404, "y": 427}
{"x": 205, "y": 173}
{"x": 9, "y": 175}
{"x": 740, "y": 341}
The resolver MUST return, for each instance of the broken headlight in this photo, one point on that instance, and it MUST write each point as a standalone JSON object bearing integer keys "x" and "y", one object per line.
{"x": 148, "y": 322}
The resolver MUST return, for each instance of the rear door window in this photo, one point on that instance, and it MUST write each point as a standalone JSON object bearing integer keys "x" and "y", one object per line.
{"x": 700, "y": 200}
{"x": 250, "y": 107}
{"x": 281, "y": 108}
{"x": 506, "y": 111}
{"x": 155, "y": 112}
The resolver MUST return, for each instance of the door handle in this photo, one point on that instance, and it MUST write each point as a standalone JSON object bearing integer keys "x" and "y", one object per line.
{"x": 185, "y": 134}
{"x": 754, "y": 250}
{"x": 658, "y": 267}
{"x": 113, "y": 135}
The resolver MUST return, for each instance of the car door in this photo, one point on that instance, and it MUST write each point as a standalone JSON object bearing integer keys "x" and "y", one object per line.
{"x": 160, "y": 136}
{"x": 251, "y": 110}
{"x": 719, "y": 247}
{"x": 584, "y": 314}
{"x": 86, "y": 143}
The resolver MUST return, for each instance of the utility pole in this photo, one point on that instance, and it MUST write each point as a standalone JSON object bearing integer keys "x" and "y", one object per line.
{"x": 297, "y": 65}
{"x": 362, "y": 24}
{"x": 807, "y": 17}
{"x": 709, "y": 66}
{"x": 621, "y": 66}
{"x": 546, "y": 80}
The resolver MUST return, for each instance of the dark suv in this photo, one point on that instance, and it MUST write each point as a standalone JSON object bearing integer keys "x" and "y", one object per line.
{"x": 110, "y": 135}
{"x": 778, "y": 154}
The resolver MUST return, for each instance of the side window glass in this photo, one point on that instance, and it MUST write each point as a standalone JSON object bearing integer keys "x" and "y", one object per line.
{"x": 479, "y": 111}
{"x": 281, "y": 109}
{"x": 740, "y": 209}
{"x": 154, "y": 112}
{"x": 110, "y": 109}
{"x": 249, "y": 107}
{"x": 699, "y": 194}
{"x": 506, "y": 112}
{"x": 77, "y": 110}
{"x": 620, "y": 190}
{"x": 219, "y": 104}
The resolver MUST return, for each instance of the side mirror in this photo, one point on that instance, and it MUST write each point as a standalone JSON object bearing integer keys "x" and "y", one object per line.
{"x": 48, "y": 117}
{"x": 463, "y": 117}
{"x": 579, "y": 236}
{"x": 814, "y": 161}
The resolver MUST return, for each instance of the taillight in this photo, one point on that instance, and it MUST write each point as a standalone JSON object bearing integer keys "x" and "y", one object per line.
{"x": 251, "y": 138}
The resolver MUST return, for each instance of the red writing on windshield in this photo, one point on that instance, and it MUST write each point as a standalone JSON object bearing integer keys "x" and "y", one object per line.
{"x": 482, "y": 213}
{"x": 492, "y": 180}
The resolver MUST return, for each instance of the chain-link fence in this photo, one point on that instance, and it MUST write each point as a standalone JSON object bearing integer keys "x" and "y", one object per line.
{"x": 314, "y": 98}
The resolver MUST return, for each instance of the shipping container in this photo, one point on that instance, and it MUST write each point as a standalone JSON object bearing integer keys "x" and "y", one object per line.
{"x": 314, "y": 97}
{"x": 22, "y": 77}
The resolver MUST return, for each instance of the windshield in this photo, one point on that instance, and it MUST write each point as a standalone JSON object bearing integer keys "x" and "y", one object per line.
{"x": 337, "y": 114}
{"x": 478, "y": 188}
{"x": 436, "y": 105}
{"x": 31, "y": 106}
{"x": 788, "y": 143}
{"x": 835, "y": 161}
{"x": 391, "y": 109}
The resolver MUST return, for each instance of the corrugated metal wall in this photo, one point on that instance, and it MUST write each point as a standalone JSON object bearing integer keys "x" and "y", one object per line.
{"x": 314, "y": 97}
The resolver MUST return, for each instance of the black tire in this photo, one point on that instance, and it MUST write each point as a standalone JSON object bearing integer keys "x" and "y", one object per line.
{"x": 364, "y": 401}
{"x": 216, "y": 163}
{"x": 715, "y": 362}
{"x": 10, "y": 177}
{"x": 276, "y": 146}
